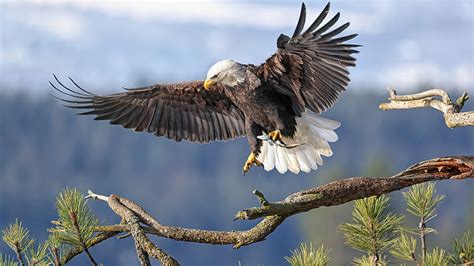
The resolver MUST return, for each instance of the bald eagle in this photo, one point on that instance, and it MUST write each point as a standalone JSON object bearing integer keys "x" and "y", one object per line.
{"x": 275, "y": 104}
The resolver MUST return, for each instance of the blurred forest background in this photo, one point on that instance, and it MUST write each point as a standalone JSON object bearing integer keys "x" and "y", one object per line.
{"x": 44, "y": 147}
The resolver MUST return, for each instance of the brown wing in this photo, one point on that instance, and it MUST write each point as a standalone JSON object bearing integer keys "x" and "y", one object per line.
{"x": 311, "y": 67}
{"x": 177, "y": 111}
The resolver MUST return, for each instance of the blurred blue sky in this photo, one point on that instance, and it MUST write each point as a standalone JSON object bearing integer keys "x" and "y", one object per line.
{"x": 108, "y": 45}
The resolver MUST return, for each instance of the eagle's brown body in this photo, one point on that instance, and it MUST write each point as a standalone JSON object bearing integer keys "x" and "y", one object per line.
{"x": 306, "y": 74}
{"x": 262, "y": 108}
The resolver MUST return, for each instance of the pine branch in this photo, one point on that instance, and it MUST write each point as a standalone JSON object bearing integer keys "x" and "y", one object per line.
{"x": 77, "y": 228}
{"x": 404, "y": 247}
{"x": 370, "y": 261}
{"x": 55, "y": 249}
{"x": 373, "y": 229}
{"x": 437, "y": 257}
{"x": 422, "y": 201}
{"x": 17, "y": 238}
{"x": 38, "y": 256}
{"x": 422, "y": 227}
{"x": 308, "y": 255}
{"x": 70, "y": 254}
{"x": 56, "y": 257}
{"x": 7, "y": 261}
{"x": 76, "y": 222}
{"x": 463, "y": 250}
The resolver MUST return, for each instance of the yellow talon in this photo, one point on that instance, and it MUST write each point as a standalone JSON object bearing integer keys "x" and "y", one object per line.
{"x": 251, "y": 160}
{"x": 275, "y": 135}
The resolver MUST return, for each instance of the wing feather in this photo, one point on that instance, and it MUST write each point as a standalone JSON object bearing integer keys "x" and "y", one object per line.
{"x": 153, "y": 127}
{"x": 185, "y": 127}
{"x": 177, "y": 111}
{"x": 318, "y": 20}
{"x": 311, "y": 68}
{"x": 301, "y": 21}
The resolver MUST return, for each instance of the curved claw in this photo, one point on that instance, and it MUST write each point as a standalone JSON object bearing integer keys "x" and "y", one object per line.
{"x": 251, "y": 160}
{"x": 275, "y": 135}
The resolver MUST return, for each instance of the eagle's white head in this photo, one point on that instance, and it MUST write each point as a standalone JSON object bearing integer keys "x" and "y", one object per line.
{"x": 226, "y": 72}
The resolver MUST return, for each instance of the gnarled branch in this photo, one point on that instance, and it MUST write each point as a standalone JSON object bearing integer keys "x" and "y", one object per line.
{"x": 342, "y": 191}
{"x": 451, "y": 110}
{"x": 274, "y": 213}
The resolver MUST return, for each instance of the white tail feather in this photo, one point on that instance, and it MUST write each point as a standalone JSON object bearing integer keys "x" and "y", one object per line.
{"x": 311, "y": 140}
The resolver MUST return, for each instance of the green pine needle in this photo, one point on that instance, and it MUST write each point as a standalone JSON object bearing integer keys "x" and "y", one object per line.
{"x": 463, "y": 250}
{"x": 7, "y": 261}
{"x": 17, "y": 237}
{"x": 308, "y": 256}
{"x": 416, "y": 231}
{"x": 437, "y": 257}
{"x": 404, "y": 247}
{"x": 76, "y": 222}
{"x": 373, "y": 229}
{"x": 55, "y": 245}
{"x": 54, "y": 241}
{"x": 370, "y": 261}
{"x": 38, "y": 256}
{"x": 422, "y": 200}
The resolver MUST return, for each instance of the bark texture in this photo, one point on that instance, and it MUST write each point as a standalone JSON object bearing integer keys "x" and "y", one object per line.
{"x": 451, "y": 110}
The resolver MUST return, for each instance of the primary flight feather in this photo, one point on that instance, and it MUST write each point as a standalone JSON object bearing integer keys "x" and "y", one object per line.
{"x": 275, "y": 104}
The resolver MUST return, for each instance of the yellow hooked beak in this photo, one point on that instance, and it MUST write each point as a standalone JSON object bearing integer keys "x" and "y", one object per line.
{"x": 208, "y": 83}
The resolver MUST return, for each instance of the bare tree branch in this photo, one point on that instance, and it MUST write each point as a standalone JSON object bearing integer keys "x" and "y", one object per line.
{"x": 342, "y": 191}
{"x": 143, "y": 245}
{"x": 274, "y": 213}
{"x": 451, "y": 110}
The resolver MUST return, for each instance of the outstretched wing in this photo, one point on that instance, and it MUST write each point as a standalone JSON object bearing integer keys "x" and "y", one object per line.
{"x": 177, "y": 111}
{"x": 311, "y": 67}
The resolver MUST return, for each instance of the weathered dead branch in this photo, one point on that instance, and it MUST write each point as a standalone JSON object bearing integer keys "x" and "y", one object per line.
{"x": 139, "y": 223}
{"x": 451, "y": 110}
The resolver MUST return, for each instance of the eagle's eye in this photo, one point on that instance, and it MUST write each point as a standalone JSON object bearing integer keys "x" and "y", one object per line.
{"x": 213, "y": 77}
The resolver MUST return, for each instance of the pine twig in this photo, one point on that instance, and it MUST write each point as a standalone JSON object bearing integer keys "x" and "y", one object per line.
{"x": 89, "y": 255}
{"x": 422, "y": 201}
{"x": 372, "y": 230}
{"x": 421, "y": 227}
{"x": 7, "y": 261}
{"x": 56, "y": 259}
{"x": 404, "y": 247}
{"x": 308, "y": 255}
{"x": 18, "y": 254}
{"x": 17, "y": 238}
{"x": 96, "y": 240}
{"x": 463, "y": 250}
{"x": 78, "y": 232}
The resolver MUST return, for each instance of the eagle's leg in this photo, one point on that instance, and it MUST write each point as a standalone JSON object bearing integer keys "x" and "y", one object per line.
{"x": 251, "y": 160}
{"x": 275, "y": 135}
{"x": 253, "y": 130}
